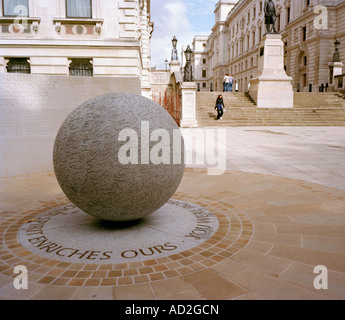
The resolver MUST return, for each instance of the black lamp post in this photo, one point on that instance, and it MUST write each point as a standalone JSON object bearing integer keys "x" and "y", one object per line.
{"x": 174, "y": 42}
{"x": 188, "y": 72}
{"x": 188, "y": 54}
{"x": 166, "y": 64}
{"x": 174, "y": 51}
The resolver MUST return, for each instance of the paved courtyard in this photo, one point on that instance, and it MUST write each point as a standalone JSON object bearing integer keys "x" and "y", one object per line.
{"x": 280, "y": 204}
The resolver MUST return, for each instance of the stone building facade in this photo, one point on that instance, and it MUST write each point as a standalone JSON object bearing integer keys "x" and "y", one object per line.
{"x": 309, "y": 29}
{"x": 101, "y": 38}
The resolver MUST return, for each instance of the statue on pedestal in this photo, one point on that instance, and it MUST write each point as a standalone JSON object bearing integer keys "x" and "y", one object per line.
{"x": 270, "y": 16}
{"x": 188, "y": 72}
{"x": 336, "y": 57}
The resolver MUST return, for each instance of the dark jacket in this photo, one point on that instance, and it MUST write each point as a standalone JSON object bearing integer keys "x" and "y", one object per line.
{"x": 219, "y": 102}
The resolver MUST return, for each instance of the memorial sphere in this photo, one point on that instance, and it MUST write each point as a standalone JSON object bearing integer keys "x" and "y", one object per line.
{"x": 119, "y": 156}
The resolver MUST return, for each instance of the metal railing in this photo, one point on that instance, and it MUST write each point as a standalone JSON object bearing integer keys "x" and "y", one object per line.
{"x": 171, "y": 103}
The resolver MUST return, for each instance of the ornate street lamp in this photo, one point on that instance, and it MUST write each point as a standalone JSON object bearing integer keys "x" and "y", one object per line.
{"x": 174, "y": 55}
{"x": 188, "y": 54}
{"x": 188, "y": 72}
{"x": 174, "y": 42}
{"x": 166, "y": 64}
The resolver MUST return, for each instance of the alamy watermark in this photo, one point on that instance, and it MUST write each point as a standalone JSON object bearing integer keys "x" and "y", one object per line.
{"x": 21, "y": 20}
{"x": 321, "y": 280}
{"x": 202, "y": 147}
{"x": 321, "y": 21}
{"x": 21, "y": 280}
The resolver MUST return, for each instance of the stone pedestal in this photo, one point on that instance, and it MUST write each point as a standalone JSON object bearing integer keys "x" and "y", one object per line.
{"x": 188, "y": 116}
{"x": 175, "y": 66}
{"x": 146, "y": 90}
{"x": 335, "y": 69}
{"x": 271, "y": 88}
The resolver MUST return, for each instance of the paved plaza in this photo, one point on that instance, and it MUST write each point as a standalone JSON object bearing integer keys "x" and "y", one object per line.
{"x": 280, "y": 206}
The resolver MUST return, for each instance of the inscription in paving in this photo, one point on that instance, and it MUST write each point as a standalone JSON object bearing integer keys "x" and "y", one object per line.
{"x": 68, "y": 234}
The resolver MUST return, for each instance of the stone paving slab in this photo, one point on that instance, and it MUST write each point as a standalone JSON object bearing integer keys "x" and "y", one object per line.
{"x": 266, "y": 246}
{"x": 313, "y": 154}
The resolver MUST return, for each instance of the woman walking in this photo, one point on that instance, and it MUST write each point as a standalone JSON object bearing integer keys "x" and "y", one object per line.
{"x": 219, "y": 107}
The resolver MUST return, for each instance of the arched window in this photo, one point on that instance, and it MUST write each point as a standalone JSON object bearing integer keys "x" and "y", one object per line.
{"x": 81, "y": 67}
{"x": 18, "y": 65}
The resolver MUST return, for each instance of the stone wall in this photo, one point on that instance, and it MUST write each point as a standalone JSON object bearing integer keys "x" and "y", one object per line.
{"x": 32, "y": 109}
{"x": 116, "y": 39}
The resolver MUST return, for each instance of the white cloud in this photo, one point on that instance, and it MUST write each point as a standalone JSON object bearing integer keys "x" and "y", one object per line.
{"x": 183, "y": 19}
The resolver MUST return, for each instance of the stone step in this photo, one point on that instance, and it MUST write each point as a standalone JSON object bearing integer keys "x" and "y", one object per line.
{"x": 310, "y": 109}
{"x": 252, "y": 122}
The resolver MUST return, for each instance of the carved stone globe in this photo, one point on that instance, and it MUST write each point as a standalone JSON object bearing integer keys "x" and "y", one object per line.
{"x": 119, "y": 157}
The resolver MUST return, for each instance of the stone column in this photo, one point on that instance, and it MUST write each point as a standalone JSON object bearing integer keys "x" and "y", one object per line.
{"x": 188, "y": 116}
{"x": 271, "y": 88}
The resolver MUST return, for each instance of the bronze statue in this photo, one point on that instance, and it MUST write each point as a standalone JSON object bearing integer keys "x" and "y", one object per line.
{"x": 188, "y": 72}
{"x": 270, "y": 16}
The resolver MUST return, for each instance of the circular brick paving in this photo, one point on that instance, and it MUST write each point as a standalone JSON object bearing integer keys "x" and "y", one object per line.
{"x": 68, "y": 234}
{"x": 234, "y": 232}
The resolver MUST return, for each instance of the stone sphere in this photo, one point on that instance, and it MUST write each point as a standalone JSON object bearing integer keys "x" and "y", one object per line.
{"x": 119, "y": 157}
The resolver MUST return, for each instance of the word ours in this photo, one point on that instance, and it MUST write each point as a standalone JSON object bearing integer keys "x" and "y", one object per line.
{"x": 130, "y": 254}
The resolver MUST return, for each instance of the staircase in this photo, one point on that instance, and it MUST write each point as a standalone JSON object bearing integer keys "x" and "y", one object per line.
{"x": 310, "y": 109}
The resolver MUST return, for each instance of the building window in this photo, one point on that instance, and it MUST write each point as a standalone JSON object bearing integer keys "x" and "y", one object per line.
{"x": 204, "y": 61}
{"x": 304, "y": 33}
{"x": 278, "y": 23}
{"x": 81, "y": 67}
{"x": 304, "y": 80}
{"x": 204, "y": 84}
{"x": 305, "y": 60}
{"x": 14, "y": 8}
{"x": 18, "y": 65}
{"x": 288, "y": 15}
{"x": 204, "y": 73}
{"x": 78, "y": 9}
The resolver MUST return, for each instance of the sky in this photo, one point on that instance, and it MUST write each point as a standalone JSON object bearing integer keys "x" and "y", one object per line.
{"x": 183, "y": 19}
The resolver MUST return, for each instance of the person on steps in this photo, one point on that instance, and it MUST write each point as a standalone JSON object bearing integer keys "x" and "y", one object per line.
{"x": 219, "y": 107}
